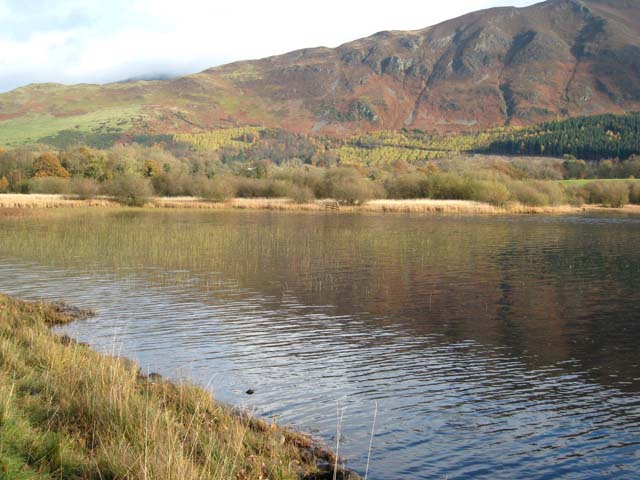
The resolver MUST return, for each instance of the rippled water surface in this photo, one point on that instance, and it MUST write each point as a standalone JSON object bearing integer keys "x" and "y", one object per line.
{"x": 501, "y": 347}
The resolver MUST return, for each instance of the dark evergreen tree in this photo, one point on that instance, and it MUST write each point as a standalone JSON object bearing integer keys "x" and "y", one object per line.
{"x": 587, "y": 138}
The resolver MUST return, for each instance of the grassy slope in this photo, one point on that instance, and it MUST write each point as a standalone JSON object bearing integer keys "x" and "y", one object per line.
{"x": 67, "y": 412}
{"x": 482, "y": 70}
{"x": 30, "y": 128}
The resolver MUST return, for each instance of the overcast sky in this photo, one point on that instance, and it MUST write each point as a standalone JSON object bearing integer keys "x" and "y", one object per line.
{"x": 72, "y": 41}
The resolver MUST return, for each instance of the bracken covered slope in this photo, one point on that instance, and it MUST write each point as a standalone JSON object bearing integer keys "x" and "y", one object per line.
{"x": 502, "y": 66}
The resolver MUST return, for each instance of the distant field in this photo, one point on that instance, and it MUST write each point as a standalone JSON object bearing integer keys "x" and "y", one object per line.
{"x": 591, "y": 180}
{"x": 31, "y": 128}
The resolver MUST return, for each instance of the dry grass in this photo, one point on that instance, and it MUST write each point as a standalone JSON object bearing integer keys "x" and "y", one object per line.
{"x": 67, "y": 412}
{"x": 425, "y": 206}
{"x": 237, "y": 203}
{"x": 431, "y": 206}
{"x": 15, "y": 200}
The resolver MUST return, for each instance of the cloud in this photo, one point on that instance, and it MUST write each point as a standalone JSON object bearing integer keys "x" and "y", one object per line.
{"x": 73, "y": 41}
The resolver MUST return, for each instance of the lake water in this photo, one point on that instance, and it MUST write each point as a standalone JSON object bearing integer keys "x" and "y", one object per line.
{"x": 491, "y": 347}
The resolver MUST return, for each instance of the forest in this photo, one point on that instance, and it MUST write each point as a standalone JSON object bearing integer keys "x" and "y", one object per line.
{"x": 261, "y": 162}
{"x": 588, "y": 138}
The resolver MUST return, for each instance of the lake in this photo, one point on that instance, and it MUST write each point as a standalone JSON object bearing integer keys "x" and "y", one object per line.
{"x": 485, "y": 347}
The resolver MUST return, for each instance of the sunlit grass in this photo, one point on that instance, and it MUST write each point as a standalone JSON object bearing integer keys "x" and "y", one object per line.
{"x": 35, "y": 200}
{"x": 30, "y": 128}
{"x": 68, "y": 412}
{"x": 425, "y": 206}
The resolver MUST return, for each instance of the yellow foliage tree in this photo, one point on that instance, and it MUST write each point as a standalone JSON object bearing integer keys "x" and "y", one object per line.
{"x": 48, "y": 165}
{"x": 151, "y": 168}
{"x": 4, "y": 184}
{"x": 237, "y": 137}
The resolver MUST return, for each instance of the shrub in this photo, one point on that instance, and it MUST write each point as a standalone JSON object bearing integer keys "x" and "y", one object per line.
{"x": 634, "y": 193}
{"x": 448, "y": 186}
{"x": 216, "y": 189}
{"x": 609, "y": 194}
{"x": 169, "y": 184}
{"x": 300, "y": 194}
{"x": 615, "y": 195}
{"x": 527, "y": 194}
{"x": 312, "y": 177}
{"x": 85, "y": 188}
{"x": 50, "y": 185}
{"x": 261, "y": 188}
{"x": 251, "y": 187}
{"x": 575, "y": 195}
{"x": 24, "y": 186}
{"x": 129, "y": 190}
{"x": 574, "y": 168}
{"x": 347, "y": 185}
{"x": 355, "y": 193}
{"x": 552, "y": 190}
{"x": 493, "y": 192}
{"x": 308, "y": 176}
{"x": 407, "y": 186}
{"x": 278, "y": 189}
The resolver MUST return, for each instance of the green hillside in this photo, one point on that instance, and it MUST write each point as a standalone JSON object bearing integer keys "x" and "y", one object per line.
{"x": 495, "y": 68}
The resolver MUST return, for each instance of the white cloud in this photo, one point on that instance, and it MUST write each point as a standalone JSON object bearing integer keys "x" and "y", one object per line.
{"x": 85, "y": 41}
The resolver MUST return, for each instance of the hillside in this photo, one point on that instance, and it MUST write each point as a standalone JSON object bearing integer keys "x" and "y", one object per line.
{"x": 496, "y": 67}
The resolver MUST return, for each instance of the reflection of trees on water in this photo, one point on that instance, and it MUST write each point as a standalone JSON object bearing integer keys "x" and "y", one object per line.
{"x": 545, "y": 290}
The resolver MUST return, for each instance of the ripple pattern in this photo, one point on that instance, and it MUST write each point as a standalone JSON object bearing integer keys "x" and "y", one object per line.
{"x": 515, "y": 359}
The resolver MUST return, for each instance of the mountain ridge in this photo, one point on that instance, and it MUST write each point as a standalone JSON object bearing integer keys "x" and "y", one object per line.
{"x": 503, "y": 66}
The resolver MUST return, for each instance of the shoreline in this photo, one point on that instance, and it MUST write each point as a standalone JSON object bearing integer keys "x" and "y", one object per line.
{"x": 424, "y": 206}
{"x": 100, "y": 415}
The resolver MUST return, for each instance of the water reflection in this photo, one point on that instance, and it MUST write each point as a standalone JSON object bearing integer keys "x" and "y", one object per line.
{"x": 495, "y": 347}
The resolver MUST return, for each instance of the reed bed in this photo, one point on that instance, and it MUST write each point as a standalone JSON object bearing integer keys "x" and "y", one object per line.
{"x": 426, "y": 206}
{"x": 238, "y": 203}
{"x": 68, "y": 412}
{"x": 16, "y": 200}
{"x": 431, "y": 206}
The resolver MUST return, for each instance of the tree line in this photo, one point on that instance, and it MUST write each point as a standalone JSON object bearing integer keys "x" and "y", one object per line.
{"x": 588, "y": 138}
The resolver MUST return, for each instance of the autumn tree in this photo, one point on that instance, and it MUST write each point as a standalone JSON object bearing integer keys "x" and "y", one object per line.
{"x": 151, "y": 168}
{"x": 48, "y": 165}
{"x": 4, "y": 184}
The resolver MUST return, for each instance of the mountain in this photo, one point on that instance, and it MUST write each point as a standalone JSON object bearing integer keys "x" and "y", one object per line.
{"x": 495, "y": 67}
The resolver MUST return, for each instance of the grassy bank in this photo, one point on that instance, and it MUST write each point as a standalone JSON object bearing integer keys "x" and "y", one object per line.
{"x": 67, "y": 412}
{"x": 18, "y": 202}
